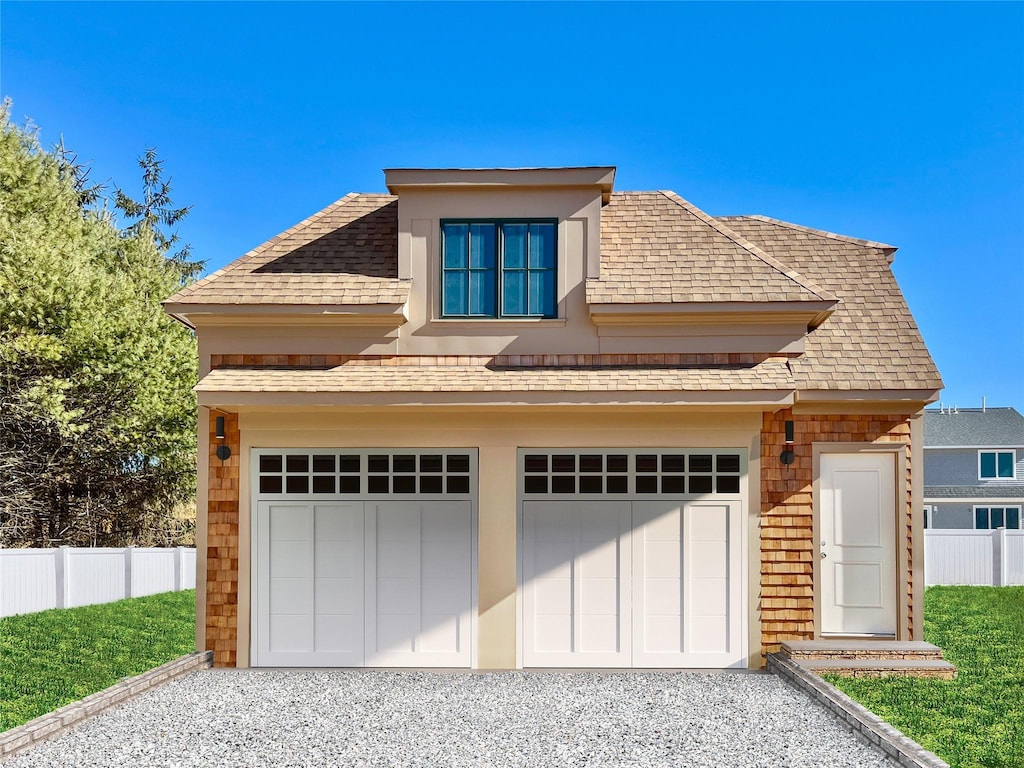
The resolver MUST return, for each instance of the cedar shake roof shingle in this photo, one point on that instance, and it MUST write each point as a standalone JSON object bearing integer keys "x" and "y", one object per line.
{"x": 769, "y": 375}
{"x": 871, "y": 340}
{"x": 658, "y": 248}
{"x": 345, "y": 254}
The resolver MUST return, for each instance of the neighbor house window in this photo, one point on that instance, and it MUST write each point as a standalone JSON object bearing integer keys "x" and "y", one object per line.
{"x": 990, "y": 518}
{"x": 995, "y": 464}
{"x": 498, "y": 269}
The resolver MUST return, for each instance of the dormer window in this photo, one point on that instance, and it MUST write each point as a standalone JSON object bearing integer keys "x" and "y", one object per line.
{"x": 499, "y": 268}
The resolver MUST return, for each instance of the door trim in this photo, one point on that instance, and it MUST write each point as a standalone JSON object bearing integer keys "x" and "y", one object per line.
{"x": 900, "y": 464}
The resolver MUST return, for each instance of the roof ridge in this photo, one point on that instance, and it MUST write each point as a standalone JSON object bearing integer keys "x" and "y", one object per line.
{"x": 750, "y": 247}
{"x": 814, "y": 231}
{"x": 235, "y": 263}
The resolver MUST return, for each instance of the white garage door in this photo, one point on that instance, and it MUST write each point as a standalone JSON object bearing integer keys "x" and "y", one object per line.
{"x": 363, "y": 559}
{"x": 632, "y": 559}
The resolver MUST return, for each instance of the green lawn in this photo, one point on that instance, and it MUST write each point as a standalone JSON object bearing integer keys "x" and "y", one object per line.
{"x": 52, "y": 658}
{"x": 977, "y": 719}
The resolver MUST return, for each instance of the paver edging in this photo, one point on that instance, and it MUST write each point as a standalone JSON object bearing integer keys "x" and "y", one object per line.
{"x": 864, "y": 723}
{"x": 72, "y": 715}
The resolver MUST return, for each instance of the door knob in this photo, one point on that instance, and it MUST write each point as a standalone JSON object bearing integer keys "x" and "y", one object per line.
{"x": 823, "y": 555}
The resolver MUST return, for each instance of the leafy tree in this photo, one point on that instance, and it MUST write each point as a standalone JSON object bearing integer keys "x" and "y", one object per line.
{"x": 156, "y": 210}
{"x": 97, "y": 414}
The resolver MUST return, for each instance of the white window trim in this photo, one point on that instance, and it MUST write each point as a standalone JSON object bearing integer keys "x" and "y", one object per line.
{"x": 997, "y": 451}
{"x": 990, "y": 507}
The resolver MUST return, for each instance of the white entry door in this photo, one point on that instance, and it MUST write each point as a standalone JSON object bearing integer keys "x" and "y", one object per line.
{"x": 310, "y": 583}
{"x": 577, "y": 589}
{"x": 858, "y": 544}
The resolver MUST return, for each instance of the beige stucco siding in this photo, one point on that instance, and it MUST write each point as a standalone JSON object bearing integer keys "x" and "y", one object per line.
{"x": 496, "y": 436}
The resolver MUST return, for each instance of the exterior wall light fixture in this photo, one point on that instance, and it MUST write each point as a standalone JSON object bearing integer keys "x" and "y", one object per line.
{"x": 787, "y": 456}
{"x": 223, "y": 451}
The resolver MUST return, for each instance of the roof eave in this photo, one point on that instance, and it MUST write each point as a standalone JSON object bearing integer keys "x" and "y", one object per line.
{"x": 383, "y": 314}
{"x": 810, "y": 313}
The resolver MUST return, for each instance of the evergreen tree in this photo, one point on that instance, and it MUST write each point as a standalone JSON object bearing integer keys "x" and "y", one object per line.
{"x": 155, "y": 211}
{"x": 97, "y": 413}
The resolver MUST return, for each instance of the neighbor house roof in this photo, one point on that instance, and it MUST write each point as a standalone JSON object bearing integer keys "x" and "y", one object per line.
{"x": 871, "y": 340}
{"x": 974, "y": 427}
{"x": 345, "y": 254}
{"x": 990, "y": 491}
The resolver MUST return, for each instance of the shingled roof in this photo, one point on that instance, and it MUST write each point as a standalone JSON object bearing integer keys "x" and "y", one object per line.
{"x": 656, "y": 247}
{"x": 974, "y": 427}
{"x": 871, "y": 340}
{"x": 769, "y": 375}
{"x": 345, "y": 254}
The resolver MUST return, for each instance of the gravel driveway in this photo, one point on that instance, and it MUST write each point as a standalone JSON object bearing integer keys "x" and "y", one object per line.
{"x": 534, "y": 720}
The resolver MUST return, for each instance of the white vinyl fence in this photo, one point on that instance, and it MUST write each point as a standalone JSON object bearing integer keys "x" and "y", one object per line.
{"x": 39, "y": 579}
{"x": 984, "y": 558}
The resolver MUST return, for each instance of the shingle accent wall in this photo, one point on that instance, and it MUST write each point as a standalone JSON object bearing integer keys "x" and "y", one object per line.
{"x": 222, "y": 546}
{"x": 787, "y": 516}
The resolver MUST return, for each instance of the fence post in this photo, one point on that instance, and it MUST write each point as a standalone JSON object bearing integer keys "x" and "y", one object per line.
{"x": 61, "y": 571}
{"x": 128, "y": 571}
{"x": 179, "y": 569}
{"x": 997, "y": 558}
{"x": 1004, "y": 565}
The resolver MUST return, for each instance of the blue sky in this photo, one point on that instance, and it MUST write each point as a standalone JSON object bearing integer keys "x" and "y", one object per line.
{"x": 902, "y": 123}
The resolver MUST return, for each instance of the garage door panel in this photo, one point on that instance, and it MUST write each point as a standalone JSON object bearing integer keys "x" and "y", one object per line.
{"x": 338, "y": 596}
{"x": 599, "y": 596}
{"x": 575, "y": 571}
{"x": 289, "y": 559}
{"x": 709, "y": 635}
{"x": 661, "y": 559}
{"x": 709, "y": 558}
{"x": 602, "y": 560}
{"x": 444, "y": 597}
{"x": 338, "y": 633}
{"x": 290, "y": 596}
{"x": 439, "y": 634}
{"x": 289, "y": 523}
{"x": 397, "y": 595}
{"x": 302, "y": 607}
{"x": 599, "y": 634}
{"x": 663, "y": 634}
{"x": 423, "y": 584}
{"x": 662, "y": 596}
{"x": 553, "y": 635}
{"x": 709, "y": 597}
{"x": 708, "y": 523}
{"x": 396, "y": 634}
{"x": 289, "y": 635}
{"x": 552, "y": 595}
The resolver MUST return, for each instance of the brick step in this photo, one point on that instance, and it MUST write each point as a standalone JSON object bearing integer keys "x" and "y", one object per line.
{"x": 895, "y": 650}
{"x": 931, "y": 668}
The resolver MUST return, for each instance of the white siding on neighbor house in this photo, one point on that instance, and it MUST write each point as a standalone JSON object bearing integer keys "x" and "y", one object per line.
{"x": 40, "y": 579}
{"x": 979, "y": 558}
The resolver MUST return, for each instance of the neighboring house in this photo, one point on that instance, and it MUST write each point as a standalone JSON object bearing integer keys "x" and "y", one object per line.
{"x": 512, "y": 418}
{"x": 973, "y": 468}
